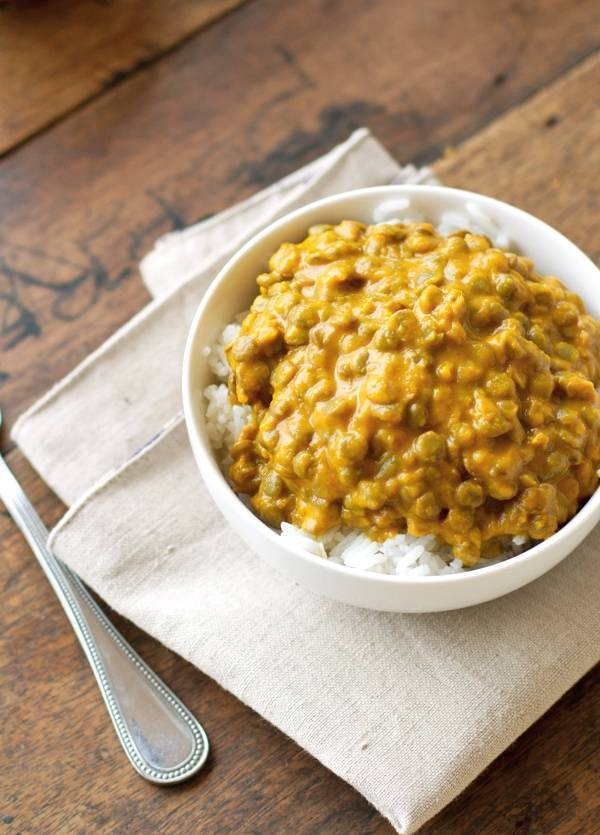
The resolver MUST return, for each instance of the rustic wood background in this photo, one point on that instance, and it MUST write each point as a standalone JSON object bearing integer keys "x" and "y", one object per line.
{"x": 122, "y": 120}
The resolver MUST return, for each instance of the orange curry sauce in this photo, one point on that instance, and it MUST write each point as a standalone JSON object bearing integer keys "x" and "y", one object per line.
{"x": 401, "y": 380}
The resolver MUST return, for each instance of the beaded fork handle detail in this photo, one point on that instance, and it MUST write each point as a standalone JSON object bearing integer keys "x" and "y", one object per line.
{"x": 164, "y": 742}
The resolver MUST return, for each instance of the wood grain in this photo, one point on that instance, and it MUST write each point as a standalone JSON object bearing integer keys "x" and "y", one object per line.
{"x": 244, "y": 102}
{"x": 56, "y": 54}
{"x": 544, "y": 156}
{"x": 79, "y": 206}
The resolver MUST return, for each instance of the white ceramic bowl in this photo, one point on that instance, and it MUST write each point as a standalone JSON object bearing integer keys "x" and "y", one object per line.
{"x": 233, "y": 290}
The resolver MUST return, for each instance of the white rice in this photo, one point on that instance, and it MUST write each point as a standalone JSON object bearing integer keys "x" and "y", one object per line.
{"x": 402, "y": 554}
{"x": 473, "y": 219}
{"x": 424, "y": 556}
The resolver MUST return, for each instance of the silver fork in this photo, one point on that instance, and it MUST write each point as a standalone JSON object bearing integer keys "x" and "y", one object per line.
{"x": 164, "y": 742}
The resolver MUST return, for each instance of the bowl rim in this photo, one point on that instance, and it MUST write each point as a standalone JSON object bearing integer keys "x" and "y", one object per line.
{"x": 206, "y": 458}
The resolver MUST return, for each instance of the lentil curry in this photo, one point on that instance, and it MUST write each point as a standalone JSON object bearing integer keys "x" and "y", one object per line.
{"x": 401, "y": 380}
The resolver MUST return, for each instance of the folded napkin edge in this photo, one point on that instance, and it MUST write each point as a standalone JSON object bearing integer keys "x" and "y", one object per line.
{"x": 111, "y": 478}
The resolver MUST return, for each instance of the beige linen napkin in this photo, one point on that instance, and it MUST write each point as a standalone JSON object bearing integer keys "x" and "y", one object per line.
{"x": 407, "y": 708}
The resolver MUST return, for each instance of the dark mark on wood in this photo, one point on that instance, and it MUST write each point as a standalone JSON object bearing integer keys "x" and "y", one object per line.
{"x": 290, "y": 59}
{"x": 500, "y": 79}
{"x": 74, "y": 284}
{"x": 169, "y": 212}
{"x": 120, "y": 75}
{"x": 300, "y": 82}
{"x": 142, "y": 239}
{"x": 551, "y": 121}
{"x": 335, "y": 124}
{"x": 17, "y": 321}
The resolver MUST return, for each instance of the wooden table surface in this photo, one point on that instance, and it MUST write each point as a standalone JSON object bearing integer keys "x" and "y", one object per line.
{"x": 122, "y": 120}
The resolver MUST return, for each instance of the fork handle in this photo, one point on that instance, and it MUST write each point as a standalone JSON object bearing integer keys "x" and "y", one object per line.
{"x": 164, "y": 742}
